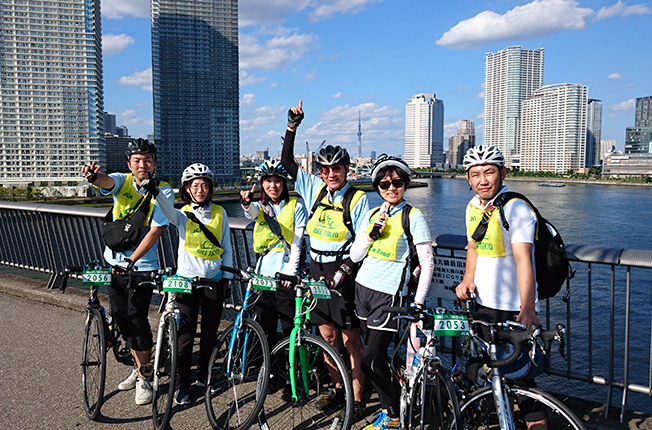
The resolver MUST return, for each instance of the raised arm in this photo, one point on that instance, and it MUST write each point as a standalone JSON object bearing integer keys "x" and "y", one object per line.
{"x": 295, "y": 116}
{"x": 93, "y": 175}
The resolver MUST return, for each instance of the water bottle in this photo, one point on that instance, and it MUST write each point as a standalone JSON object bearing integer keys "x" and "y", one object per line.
{"x": 417, "y": 359}
{"x": 413, "y": 346}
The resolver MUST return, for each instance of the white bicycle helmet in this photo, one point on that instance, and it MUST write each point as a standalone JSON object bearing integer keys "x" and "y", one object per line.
{"x": 272, "y": 167}
{"x": 332, "y": 155}
{"x": 385, "y": 160}
{"x": 482, "y": 154}
{"x": 196, "y": 171}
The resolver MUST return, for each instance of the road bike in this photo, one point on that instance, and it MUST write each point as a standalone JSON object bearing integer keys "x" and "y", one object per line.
{"x": 237, "y": 384}
{"x": 428, "y": 398}
{"x": 100, "y": 332}
{"x": 300, "y": 362}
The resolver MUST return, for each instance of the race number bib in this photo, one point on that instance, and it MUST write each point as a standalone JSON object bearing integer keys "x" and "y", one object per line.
{"x": 260, "y": 282}
{"x": 451, "y": 325}
{"x": 177, "y": 284}
{"x": 96, "y": 277}
{"x": 319, "y": 290}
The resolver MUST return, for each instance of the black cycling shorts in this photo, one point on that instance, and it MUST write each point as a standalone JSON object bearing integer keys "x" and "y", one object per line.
{"x": 368, "y": 304}
{"x": 339, "y": 310}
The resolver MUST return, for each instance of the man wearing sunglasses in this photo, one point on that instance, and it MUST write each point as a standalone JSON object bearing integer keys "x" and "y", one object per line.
{"x": 337, "y": 215}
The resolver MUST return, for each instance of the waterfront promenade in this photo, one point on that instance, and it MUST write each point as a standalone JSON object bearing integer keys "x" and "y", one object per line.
{"x": 40, "y": 376}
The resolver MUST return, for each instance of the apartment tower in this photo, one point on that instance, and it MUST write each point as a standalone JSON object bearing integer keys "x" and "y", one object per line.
{"x": 424, "y": 131}
{"x": 52, "y": 93}
{"x": 195, "y": 81}
{"x": 511, "y": 75}
{"x": 593, "y": 132}
{"x": 459, "y": 143}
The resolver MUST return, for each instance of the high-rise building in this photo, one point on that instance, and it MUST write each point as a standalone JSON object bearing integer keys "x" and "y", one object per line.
{"x": 122, "y": 131}
{"x": 109, "y": 123}
{"x": 593, "y": 132}
{"x": 606, "y": 147}
{"x": 553, "y": 129}
{"x": 510, "y": 76}
{"x": 372, "y": 154}
{"x": 195, "y": 81}
{"x": 116, "y": 148}
{"x": 643, "y": 112}
{"x": 638, "y": 140}
{"x": 424, "y": 131}
{"x": 52, "y": 93}
{"x": 459, "y": 143}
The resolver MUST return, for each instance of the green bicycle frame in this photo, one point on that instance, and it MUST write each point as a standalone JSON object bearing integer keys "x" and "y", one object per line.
{"x": 299, "y": 319}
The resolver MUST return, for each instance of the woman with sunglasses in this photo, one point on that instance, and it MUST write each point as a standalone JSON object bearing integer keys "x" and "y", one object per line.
{"x": 384, "y": 275}
{"x": 204, "y": 245}
{"x": 280, "y": 223}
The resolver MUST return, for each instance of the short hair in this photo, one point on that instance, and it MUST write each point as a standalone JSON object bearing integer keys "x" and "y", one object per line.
{"x": 388, "y": 169}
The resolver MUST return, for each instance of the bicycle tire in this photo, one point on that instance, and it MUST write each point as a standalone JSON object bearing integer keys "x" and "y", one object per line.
{"x": 281, "y": 412}
{"x": 165, "y": 374}
{"x": 93, "y": 363}
{"x": 234, "y": 399}
{"x": 479, "y": 410}
{"x": 434, "y": 404}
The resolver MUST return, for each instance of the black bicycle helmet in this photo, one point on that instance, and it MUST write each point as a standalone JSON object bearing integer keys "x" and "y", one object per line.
{"x": 385, "y": 160}
{"x": 272, "y": 167}
{"x": 140, "y": 146}
{"x": 331, "y": 155}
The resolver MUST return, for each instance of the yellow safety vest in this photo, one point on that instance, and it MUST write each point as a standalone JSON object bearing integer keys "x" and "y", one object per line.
{"x": 327, "y": 222}
{"x": 127, "y": 200}
{"x": 384, "y": 248}
{"x": 263, "y": 236}
{"x": 492, "y": 244}
{"x": 197, "y": 243}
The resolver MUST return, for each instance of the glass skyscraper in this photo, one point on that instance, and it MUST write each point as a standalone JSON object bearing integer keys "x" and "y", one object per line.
{"x": 593, "y": 132}
{"x": 52, "y": 92}
{"x": 195, "y": 80}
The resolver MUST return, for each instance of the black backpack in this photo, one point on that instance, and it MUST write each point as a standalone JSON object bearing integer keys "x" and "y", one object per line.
{"x": 552, "y": 265}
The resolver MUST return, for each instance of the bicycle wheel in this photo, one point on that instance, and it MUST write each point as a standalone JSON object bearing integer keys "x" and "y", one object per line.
{"x": 165, "y": 373}
{"x": 434, "y": 404}
{"x": 282, "y": 412}
{"x": 479, "y": 410}
{"x": 237, "y": 385}
{"x": 93, "y": 363}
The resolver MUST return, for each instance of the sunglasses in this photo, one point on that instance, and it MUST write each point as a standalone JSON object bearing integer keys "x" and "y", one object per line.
{"x": 398, "y": 183}
{"x": 337, "y": 168}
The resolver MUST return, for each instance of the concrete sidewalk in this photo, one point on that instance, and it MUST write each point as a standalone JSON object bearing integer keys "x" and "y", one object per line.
{"x": 591, "y": 413}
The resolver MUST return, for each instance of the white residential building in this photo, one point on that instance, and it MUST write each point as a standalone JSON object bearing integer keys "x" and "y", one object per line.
{"x": 51, "y": 118}
{"x": 424, "y": 131}
{"x": 459, "y": 143}
{"x": 511, "y": 75}
{"x": 553, "y": 129}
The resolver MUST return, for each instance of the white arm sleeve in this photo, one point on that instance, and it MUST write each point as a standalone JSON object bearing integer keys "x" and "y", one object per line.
{"x": 359, "y": 248}
{"x": 292, "y": 266}
{"x": 167, "y": 207}
{"x": 252, "y": 211}
{"x": 426, "y": 259}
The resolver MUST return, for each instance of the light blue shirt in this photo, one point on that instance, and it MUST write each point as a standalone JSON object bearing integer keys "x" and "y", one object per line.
{"x": 307, "y": 186}
{"x": 385, "y": 275}
{"x": 149, "y": 261}
{"x": 275, "y": 261}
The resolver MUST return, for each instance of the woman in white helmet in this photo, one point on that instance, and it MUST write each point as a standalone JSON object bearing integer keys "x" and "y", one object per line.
{"x": 204, "y": 245}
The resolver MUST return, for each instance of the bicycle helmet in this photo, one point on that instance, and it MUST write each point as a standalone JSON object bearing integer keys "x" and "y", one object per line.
{"x": 196, "y": 171}
{"x": 331, "y": 155}
{"x": 140, "y": 146}
{"x": 385, "y": 160}
{"x": 272, "y": 167}
{"x": 483, "y": 155}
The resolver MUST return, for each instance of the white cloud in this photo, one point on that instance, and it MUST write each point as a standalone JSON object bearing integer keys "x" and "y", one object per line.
{"x": 130, "y": 118}
{"x": 253, "y": 123}
{"x": 275, "y": 53}
{"x": 310, "y": 76}
{"x": 613, "y": 115}
{"x": 143, "y": 104}
{"x": 537, "y": 18}
{"x": 628, "y": 105}
{"x": 115, "y": 43}
{"x": 264, "y": 115}
{"x": 270, "y": 139}
{"x": 337, "y": 96}
{"x": 450, "y": 129}
{"x": 621, "y": 8}
{"x": 480, "y": 115}
{"x": 247, "y": 79}
{"x": 614, "y": 76}
{"x": 261, "y": 12}
{"x": 273, "y": 85}
{"x": 118, "y": 9}
{"x": 269, "y": 110}
{"x": 247, "y": 100}
{"x": 480, "y": 95}
{"x": 142, "y": 79}
{"x": 326, "y": 8}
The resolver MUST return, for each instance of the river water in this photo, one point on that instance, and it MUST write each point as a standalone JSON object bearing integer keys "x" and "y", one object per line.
{"x": 608, "y": 216}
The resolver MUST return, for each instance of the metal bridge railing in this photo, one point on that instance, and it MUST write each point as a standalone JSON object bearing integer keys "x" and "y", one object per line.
{"x": 601, "y": 315}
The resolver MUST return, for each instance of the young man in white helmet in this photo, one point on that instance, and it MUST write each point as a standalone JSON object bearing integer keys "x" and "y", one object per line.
{"x": 499, "y": 263}
{"x": 337, "y": 215}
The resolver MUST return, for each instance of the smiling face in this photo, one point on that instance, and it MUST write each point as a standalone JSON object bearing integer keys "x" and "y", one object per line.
{"x": 486, "y": 180}
{"x": 141, "y": 165}
{"x": 393, "y": 194}
{"x": 273, "y": 187}
{"x": 334, "y": 176}
{"x": 198, "y": 190}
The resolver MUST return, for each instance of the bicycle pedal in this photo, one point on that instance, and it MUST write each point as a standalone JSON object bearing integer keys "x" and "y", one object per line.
{"x": 147, "y": 370}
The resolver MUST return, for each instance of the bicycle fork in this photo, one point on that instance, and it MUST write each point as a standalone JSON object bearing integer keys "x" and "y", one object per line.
{"x": 503, "y": 405}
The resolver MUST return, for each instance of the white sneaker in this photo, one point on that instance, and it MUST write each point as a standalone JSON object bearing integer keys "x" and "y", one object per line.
{"x": 143, "y": 392}
{"x": 129, "y": 383}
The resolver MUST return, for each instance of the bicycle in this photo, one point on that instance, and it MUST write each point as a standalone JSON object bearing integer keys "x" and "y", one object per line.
{"x": 166, "y": 349}
{"x": 237, "y": 383}
{"x": 100, "y": 333}
{"x": 300, "y": 362}
{"x": 428, "y": 398}
{"x": 497, "y": 402}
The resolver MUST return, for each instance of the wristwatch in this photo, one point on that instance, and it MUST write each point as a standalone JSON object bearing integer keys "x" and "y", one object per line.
{"x": 344, "y": 268}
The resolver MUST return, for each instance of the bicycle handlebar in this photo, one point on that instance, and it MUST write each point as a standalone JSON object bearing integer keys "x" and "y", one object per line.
{"x": 230, "y": 270}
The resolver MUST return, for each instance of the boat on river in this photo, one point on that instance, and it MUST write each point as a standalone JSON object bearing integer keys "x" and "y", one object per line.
{"x": 552, "y": 184}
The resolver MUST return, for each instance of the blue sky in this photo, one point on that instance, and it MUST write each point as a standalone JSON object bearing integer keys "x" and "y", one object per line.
{"x": 342, "y": 57}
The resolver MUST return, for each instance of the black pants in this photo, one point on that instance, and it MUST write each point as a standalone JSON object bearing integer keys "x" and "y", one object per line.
{"x": 129, "y": 307}
{"x": 272, "y": 307}
{"x": 339, "y": 310}
{"x": 211, "y": 303}
{"x": 376, "y": 369}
